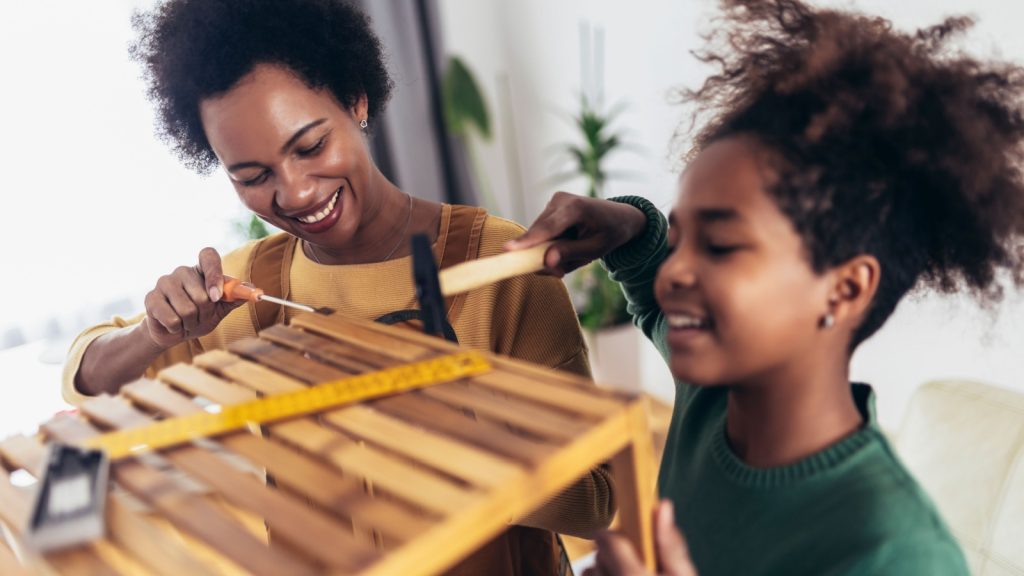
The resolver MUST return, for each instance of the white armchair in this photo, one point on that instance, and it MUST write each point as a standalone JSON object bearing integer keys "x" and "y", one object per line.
{"x": 964, "y": 442}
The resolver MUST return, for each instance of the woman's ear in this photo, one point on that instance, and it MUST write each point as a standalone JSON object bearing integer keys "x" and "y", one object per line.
{"x": 361, "y": 108}
{"x": 854, "y": 287}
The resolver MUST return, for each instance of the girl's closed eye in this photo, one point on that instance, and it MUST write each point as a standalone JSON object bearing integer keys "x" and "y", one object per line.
{"x": 719, "y": 249}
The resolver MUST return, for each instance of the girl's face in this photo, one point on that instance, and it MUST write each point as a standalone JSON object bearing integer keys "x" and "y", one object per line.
{"x": 740, "y": 298}
{"x": 295, "y": 155}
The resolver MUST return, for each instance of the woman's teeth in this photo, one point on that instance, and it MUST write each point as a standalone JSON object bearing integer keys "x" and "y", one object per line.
{"x": 682, "y": 321}
{"x": 314, "y": 218}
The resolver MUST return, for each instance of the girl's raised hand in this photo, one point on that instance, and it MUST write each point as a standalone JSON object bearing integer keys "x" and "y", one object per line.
{"x": 616, "y": 556}
{"x": 188, "y": 303}
{"x": 584, "y": 229}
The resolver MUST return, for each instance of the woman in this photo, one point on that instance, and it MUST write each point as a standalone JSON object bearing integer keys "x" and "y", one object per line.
{"x": 281, "y": 94}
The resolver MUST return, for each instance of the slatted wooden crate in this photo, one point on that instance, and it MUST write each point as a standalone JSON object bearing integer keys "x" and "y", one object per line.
{"x": 407, "y": 484}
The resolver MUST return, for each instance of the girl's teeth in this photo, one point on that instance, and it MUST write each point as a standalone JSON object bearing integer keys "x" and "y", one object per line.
{"x": 682, "y": 321}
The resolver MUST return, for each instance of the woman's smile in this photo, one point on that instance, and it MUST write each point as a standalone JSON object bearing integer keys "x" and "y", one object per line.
{"x": 321, "y": 217}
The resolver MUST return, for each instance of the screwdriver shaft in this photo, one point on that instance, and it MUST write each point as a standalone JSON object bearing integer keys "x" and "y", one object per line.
{"x": 288, "y": 303}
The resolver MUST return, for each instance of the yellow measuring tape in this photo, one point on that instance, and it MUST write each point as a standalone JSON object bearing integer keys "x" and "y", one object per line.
{"x": 183, "y": 429}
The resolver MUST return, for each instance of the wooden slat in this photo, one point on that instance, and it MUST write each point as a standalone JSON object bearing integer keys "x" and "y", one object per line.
{"x": 532, "y": 419}
{"x": 24, "y": 452}
{"x": 319, "y": 348}
{"x": 421, "y": 410}
{"x": 304, "y": 475}
{"x": 306, "y": 529}
{"x": 463, "y": 532}
{"x": 285, "y": 361}
{"x": 198, "y": 382}
{"x": 135, "y": 532}
{"x": 563, "y": 398}
{"x": 323, "y": 485}
{"x": 235, "y": 368}
{"x": 405, "y": 338}
{"x": 191, "y": 513}
{"x": 467, "y": 463}
{"x": 148, "y": 543}
{"x": 119, "y": 559}
{"x": 80, "y": 561}
{"x": 14, "y": 504}
{"x": 561, "y": 377}
{"x": 158, "y": 396}
{"x": 403, "y": 480}
{"x": 15, "y": 507}
{"x": 632, "y": 474}
{"x": 357, "y": 334}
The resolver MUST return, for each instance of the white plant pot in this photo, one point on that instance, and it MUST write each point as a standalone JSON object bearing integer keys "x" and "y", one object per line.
{"x": 615, "y": 357}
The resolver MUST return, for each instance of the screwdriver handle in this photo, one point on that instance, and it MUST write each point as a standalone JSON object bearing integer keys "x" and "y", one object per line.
{"x": 235, "y": 290}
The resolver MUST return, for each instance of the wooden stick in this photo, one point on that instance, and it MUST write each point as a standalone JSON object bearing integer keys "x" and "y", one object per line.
{"x": 476, "y": 273}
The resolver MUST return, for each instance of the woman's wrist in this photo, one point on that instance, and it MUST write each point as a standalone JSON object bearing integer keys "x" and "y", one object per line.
{"x": 116, "y": 358}
{"x": 144, "y": 341}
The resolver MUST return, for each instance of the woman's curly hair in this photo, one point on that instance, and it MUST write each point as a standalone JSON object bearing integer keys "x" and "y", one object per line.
{"x": 886, "y": 143}
{"x": 196, "y": 49}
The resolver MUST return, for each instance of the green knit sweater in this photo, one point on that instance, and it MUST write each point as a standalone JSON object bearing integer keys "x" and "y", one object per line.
{"x": 850, "y": 509}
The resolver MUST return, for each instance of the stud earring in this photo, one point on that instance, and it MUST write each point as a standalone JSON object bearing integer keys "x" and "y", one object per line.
{"x": 827, "y": 321}
{"x": 363, "y": 124}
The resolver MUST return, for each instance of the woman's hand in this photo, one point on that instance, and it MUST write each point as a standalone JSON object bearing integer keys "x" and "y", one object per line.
{"x": 616, "y": 556}
{"x": 187, "y": 303}
{"x": 584, "y": 229}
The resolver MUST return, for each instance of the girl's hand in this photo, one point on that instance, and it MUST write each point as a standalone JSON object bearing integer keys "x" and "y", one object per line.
{"x": 187, "y": 303}
{"x": 616, "y": 556}
{"x": 585, "y": 228}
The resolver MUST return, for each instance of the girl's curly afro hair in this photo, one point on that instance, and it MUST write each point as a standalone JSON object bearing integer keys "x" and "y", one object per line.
{"x": 886, "y": 143}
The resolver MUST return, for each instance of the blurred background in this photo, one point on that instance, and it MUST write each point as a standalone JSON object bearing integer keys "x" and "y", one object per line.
{"x": 497, "y": 103}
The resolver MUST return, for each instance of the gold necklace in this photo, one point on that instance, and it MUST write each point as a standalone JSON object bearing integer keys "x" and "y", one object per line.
{"x": 401, "y": 237}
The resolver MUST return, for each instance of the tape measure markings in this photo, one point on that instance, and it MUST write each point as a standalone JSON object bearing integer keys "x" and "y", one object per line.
{"x": 183, "y": 429}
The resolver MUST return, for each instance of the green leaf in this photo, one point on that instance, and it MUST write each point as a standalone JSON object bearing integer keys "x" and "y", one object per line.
{"x": 464, "y": 104}
{"x": 599, "y": 300}
{"x": 252, "y": 228}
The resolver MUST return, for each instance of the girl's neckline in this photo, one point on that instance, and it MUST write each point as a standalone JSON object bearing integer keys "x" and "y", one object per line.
{"x": 806, "y": 468}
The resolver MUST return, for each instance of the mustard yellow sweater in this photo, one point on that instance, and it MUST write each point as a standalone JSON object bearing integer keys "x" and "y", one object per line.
{"x": 529, "y": 317}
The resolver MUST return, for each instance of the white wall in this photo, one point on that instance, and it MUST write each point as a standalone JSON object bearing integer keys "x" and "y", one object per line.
{"x": 534, "y": 44}
{"x": 96, "y": 206}
{"x": 96, "y": 209}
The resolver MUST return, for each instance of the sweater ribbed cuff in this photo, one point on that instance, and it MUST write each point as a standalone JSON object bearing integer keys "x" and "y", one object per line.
{"x": 639, "y": 250}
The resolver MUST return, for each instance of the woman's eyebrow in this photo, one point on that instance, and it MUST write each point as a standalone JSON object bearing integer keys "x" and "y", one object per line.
{"x": 299, "y": 133}
{"x": 284, "y": 149}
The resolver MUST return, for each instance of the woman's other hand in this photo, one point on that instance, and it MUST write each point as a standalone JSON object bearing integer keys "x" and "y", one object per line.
{"x": 584, "y": 229}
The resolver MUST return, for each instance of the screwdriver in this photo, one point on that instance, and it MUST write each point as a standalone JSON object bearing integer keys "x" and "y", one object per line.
{"x": 235, "y": 290}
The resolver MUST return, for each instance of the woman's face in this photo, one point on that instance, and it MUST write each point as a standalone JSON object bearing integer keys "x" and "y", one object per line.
{"x": 295, "y": 155}
{"x": 739, "y": 295}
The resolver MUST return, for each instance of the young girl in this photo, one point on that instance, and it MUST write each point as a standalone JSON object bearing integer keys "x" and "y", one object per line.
{"x": 844, "y": 165}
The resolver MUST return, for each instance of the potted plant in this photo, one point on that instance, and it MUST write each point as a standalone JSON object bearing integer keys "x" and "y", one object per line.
{"x": 468, "y": 118}
{"x": 599, "y": 301}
